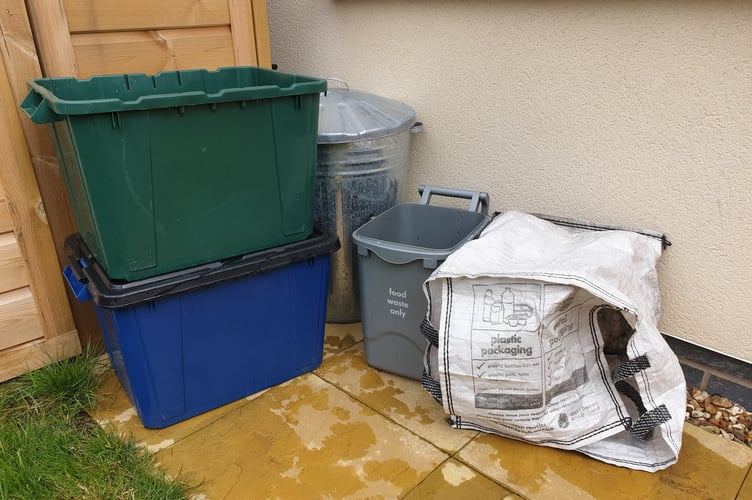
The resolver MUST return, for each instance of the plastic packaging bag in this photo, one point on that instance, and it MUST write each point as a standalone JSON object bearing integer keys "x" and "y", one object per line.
{"x": 548, "y": 333}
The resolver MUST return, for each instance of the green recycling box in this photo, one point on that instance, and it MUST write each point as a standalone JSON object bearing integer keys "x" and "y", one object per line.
{"x": 186, "y": 167}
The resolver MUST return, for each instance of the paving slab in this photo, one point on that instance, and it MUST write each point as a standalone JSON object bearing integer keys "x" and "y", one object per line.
{"x": 400, "y": 399}
{"x": 303, "y": 439}
{"x": 708, "y": 467}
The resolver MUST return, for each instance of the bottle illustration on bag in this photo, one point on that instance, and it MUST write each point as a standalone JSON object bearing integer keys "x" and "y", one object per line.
{"x": 491, "y": 308}
{"x": 504, "y": 310}
{"x": 507, "y": 305}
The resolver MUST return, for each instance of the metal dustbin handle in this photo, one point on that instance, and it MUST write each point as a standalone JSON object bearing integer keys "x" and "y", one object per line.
{"x": 338, "y": 80}
{"x": 476, "y": 197}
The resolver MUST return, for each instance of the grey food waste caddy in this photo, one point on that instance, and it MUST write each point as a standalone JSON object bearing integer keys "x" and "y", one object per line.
{"x": 397, "y": 251}
{"x": 363, "y": 147}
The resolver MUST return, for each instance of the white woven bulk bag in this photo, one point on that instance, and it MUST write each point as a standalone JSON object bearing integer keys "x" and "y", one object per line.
{"x": 548, "y": 333}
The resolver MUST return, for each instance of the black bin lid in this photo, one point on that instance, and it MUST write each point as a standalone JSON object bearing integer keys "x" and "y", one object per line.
{"x": 115, "y": 294}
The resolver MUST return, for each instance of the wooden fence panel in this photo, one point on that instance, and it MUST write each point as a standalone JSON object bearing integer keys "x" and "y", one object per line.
{"x": 152, "y": 51}
{"x": 86, "y": 16}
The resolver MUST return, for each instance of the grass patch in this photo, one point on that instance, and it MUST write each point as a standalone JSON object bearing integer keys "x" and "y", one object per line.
{"x": 51, "y": 448}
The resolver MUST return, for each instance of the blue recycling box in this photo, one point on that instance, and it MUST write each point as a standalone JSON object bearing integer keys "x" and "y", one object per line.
{"x": 190, "y": 341}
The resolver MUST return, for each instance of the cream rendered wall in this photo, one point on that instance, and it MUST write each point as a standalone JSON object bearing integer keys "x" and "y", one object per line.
{"x": 632, "y": 113}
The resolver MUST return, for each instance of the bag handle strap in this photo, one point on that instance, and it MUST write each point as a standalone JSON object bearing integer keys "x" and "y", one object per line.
{"x": 429, "y": 332}
{"x": 630, "y": 368}
{"x": 433, "y": 387}
{"x": 643, "y": 427}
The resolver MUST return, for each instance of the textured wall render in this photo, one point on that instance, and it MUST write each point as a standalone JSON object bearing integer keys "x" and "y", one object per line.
{"x": 633, "y": 113}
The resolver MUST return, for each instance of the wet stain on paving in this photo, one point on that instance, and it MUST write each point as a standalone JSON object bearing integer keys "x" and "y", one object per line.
{"x": 720, "y": 476}
{"x": 388, "y": 398}
{"x": 400, "y": 399}
{"x": 305, "y": 438}
{"x": 336, "y": 344}
{"x": 370, "y": 379}
{"x": 538, "y": 471}
{"x": 399, "y": 469}
{"x": 114, "y": 409}
{"x": 454, "y": 480}
{"x": 339, "y": 337}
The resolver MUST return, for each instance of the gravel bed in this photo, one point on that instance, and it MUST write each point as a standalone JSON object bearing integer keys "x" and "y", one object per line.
{"x": 718, "y": 415}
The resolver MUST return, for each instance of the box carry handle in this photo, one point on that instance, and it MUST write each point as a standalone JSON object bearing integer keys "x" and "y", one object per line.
{"x": 477, "y": 198}
{"x": 77, "y": 283}
{"x": 36, "y": 107}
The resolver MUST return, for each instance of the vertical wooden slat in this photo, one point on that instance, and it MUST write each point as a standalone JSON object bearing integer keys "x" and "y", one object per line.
{"x": 241, "y": 25}
{"x": 6, "y": 223}
{"x": 32, "y": 233}
{"x": 22, "y": 64}
{"x": 50, "y": 28}
{"x": 261, "y": 33}
{"x": 20, "y": 55}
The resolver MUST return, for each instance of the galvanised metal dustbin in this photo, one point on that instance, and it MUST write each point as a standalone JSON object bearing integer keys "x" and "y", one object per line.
{"x": 363, "y": 147}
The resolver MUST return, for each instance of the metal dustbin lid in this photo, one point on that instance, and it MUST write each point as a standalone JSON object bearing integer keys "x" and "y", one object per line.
{"x": 351, "y": 115}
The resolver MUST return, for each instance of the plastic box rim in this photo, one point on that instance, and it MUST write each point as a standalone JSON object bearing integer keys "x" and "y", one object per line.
{"x": 400, "y": 253}
{"x": 62, "y": 107}
{"x": 117, "y": 294}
